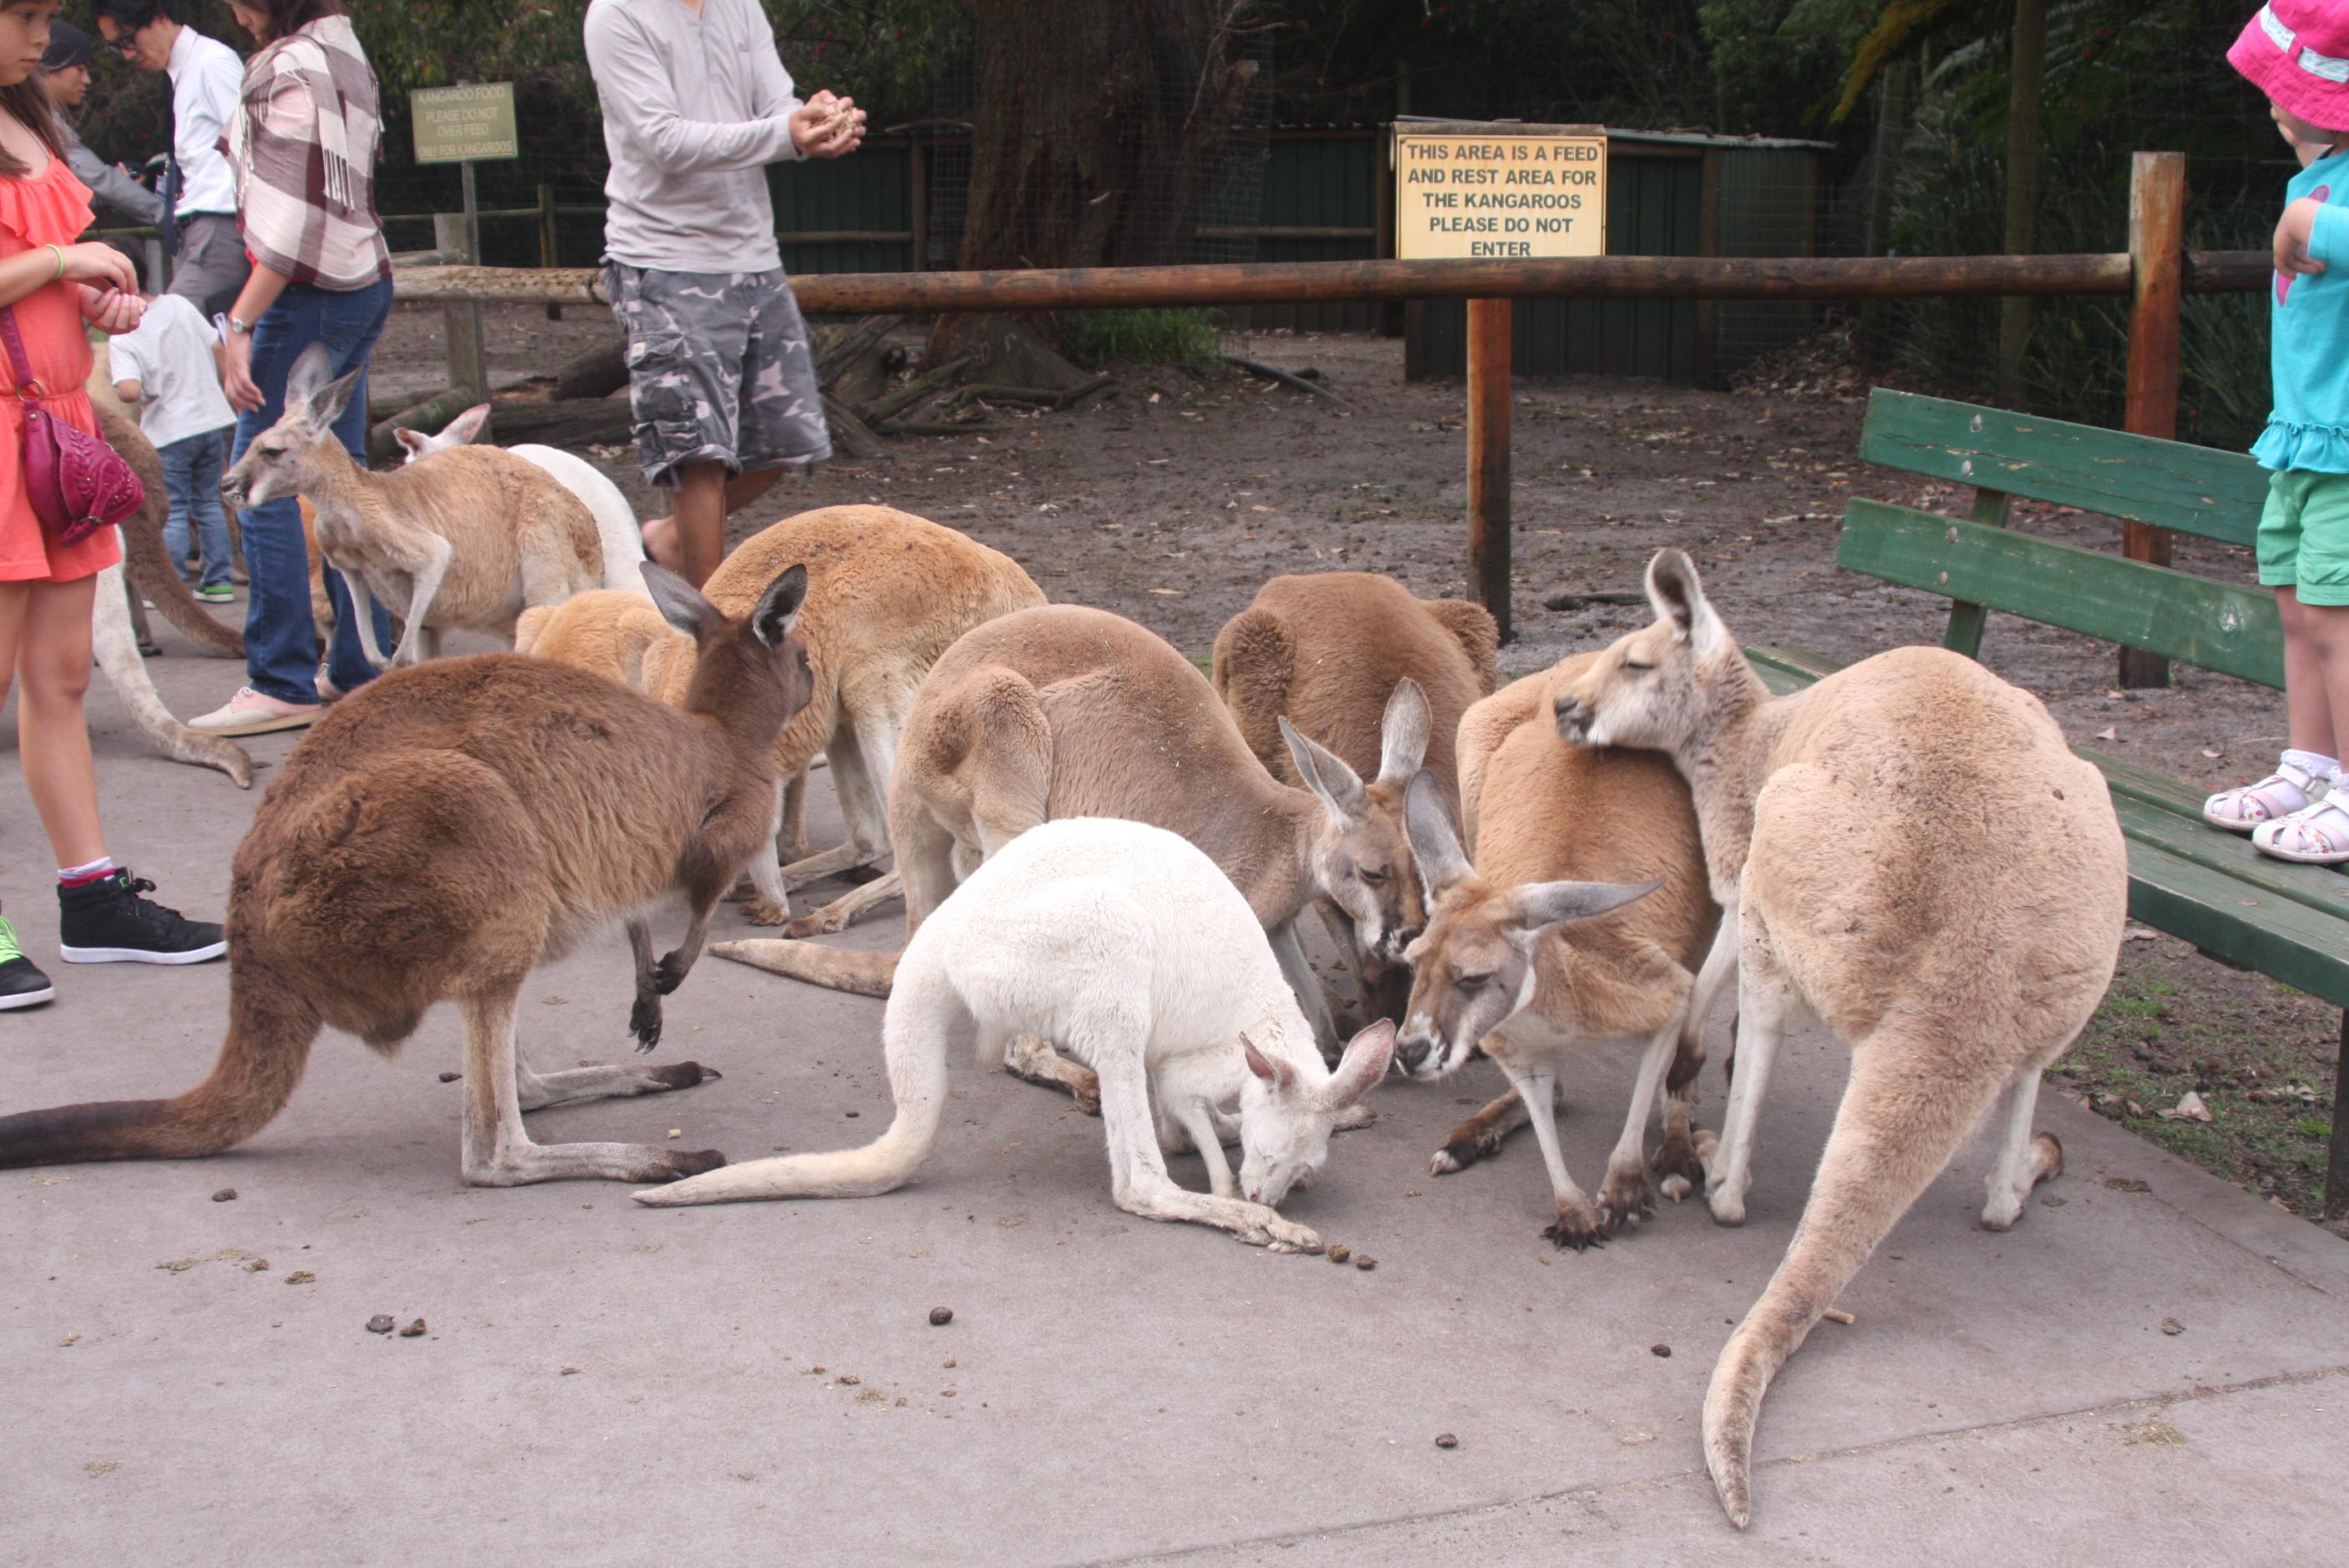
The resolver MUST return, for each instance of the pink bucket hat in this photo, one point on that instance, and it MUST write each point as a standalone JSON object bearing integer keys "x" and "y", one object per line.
{"x": 2297, "y": 52}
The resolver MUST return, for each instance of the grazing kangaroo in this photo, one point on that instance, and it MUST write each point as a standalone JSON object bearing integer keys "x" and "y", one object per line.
{"x": 1066, "y": 711}
{"x": 617, "y": 529}
{"x": 466, "y": 539}
{"x": 1499, "y": 966}
{"x": 440, "y": 834}
{"x": 888, "y": 593}
{"x": 1909, "y": 852}
{"x": 1337, "y": 652}
{"x": 1134, "y": 951}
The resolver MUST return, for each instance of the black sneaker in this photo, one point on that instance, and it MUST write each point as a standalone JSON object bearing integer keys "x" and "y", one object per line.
{"x": 21, "y": 984}
{"x": 105, "y": 921}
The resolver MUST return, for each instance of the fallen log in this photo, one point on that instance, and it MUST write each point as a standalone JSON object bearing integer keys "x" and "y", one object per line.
{"x": 851, "y": 437}
{"x": 1274, "y": 372}
{"x": 913, "y": 391}
{"x": 605, "y": 422}
{"x": 428, "y": 417}
{"x": 598, "y": 373}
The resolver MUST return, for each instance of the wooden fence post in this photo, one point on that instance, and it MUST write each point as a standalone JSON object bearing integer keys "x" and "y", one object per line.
{"x": 2158, "y": 263}
{"x": 467, "y": 363}
{"x": 547, "y": 242}
{"x": 918, "y": 184}
{"x": 1488, "y": 456}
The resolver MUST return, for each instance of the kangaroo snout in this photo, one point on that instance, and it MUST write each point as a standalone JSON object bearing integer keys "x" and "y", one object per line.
{"x": 1574, "y": 717}
{"x": 1416, "y": 1046}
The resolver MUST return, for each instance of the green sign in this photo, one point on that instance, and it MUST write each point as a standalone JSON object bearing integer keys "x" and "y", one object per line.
{"x": 464, "y": 124}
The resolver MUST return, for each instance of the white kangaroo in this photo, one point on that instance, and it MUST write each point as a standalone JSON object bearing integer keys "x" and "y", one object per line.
{"x": 466, "y": 540}
{"x": 1909, "y": 852}
{"x": 617, "y": 528}
{"x": 1126, "y": 945}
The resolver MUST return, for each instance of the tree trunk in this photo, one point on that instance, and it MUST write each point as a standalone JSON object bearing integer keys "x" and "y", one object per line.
{"x": 1096, "y": 130}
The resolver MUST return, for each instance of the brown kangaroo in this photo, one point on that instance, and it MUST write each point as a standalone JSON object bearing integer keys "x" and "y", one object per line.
{"x": 1346, "y": 656}
{"x": 440, "y": 834}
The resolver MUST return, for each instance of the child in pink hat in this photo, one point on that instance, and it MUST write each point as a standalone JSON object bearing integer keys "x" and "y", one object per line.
{"x": 2297, "y": 52}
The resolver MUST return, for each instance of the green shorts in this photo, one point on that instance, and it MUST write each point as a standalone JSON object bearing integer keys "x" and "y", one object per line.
{"x": 2304, "y": 536}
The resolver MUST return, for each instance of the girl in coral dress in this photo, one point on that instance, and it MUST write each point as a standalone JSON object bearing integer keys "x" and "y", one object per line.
{"x": 46, "y": 590}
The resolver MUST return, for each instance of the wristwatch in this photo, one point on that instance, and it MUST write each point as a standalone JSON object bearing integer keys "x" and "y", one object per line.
{"x": 241, "y": 328}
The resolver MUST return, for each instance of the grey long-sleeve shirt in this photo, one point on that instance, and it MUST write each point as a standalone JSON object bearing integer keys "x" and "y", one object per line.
{"x": 107, "y": 183}
{"x": 694, "y": 109}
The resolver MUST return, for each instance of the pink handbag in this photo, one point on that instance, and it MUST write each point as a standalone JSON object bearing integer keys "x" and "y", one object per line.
{"x": 77, "y": 483}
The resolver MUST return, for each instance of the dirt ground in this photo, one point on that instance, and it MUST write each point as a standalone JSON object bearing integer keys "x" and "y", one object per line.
{"x": 1170, "y": 497}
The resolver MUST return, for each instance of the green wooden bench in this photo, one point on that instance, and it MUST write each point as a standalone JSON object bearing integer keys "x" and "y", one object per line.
{"x": 2185, "y": 877}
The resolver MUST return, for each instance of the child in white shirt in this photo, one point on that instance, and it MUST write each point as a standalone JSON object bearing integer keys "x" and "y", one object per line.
{"x": 169, "y": 370}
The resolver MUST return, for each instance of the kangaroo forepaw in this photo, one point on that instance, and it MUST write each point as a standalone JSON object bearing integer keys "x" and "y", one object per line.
{"x": 692, "y": 1162}
{"x": 1470, "y": 1141}
{"x": 1282, "y": 1235}
{"x": 669, "y": 974}
{"x": 816, "y": 923}
{"x": 1625, "y": 1199}
{"x": 1577, "y": 1226}
{"x": 645, "y": 1020}
{"x": 1677, "y": 1166}
{"x": 761, "y": 911}
{"x": 680, "y": 1075}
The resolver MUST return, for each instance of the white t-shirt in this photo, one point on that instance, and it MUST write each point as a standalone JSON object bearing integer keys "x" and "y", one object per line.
{"x": 171, "y": 356}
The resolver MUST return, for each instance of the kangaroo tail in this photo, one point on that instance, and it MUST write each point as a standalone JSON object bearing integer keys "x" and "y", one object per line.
{"x": 260, "y": 1063}
{"x": 921, "y": 1015}
{"x": 1910, "y": 1104}
{"x": 118, "y": 655}
{"x": 834, "y": 968}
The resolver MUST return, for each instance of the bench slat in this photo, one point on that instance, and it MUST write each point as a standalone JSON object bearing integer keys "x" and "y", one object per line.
{"x": 2176, "y": 614}
{"x": 2311, "y": 887}
{"x": 2170, "y": 484}
{"x": 2218, "y": 913}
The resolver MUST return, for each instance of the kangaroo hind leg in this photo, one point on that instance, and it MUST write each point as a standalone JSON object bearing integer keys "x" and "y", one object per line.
{"x": 2024, "y": 1161}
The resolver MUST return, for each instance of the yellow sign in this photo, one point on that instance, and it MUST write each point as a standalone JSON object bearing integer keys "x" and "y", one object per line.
{"x": 1467, "y": 189}
{"x": 464, "y": 124}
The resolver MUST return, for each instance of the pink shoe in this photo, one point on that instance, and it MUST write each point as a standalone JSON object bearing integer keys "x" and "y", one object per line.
{"x": 250, "y": 712}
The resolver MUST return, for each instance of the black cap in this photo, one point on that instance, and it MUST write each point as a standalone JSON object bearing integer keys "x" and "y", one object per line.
{"x": 69, "y": 46}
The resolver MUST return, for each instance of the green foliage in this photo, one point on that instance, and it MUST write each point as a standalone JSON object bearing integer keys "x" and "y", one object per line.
{"x": 1144, "y": 336}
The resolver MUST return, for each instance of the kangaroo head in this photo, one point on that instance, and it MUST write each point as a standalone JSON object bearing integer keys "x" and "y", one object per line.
{"x": 1361, "y": 860}
{"x": 1653, "y": 686}
{"x": 751, "y": 674}
{"x": 458, "y": 431}
{"x": 1287, "y": 1110}
{"x": 290, "y": 456}
{"x": 1472, "y": 968}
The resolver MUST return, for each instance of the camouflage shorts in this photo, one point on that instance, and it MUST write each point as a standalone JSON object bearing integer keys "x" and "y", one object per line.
{"x": 720, "y": 370}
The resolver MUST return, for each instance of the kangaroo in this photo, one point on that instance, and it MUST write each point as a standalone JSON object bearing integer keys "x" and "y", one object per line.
{"x": 1134, "y": 951}
{"x": 887, "y": 593}
{"x": 1066, "y": 711}
{"x": 437, "y": 835}
{"x": 464, "y": 539}
{"x": 1495, "y": 968}
{"x": 1336, "y": 652}
{"x": 1909, "y": 852}
{"x": 617, "y": 529}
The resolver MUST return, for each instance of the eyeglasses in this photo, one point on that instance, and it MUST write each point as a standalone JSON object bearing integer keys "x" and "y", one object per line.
{"x": 125, "y": 46}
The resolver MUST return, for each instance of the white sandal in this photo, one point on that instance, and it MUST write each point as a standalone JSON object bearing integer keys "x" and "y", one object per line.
{"x": 2315, "y": 835}
{"x": 2290, "y": 788}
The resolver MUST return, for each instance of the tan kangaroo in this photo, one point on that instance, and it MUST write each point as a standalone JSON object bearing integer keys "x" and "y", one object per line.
{"x": 887, "y": 593}
{"x": 464, "y": 539}
{"x": 1336, "y": 653}
{"x": 440, "y": 834}
{"x": 1066, "y": 711}
{"x": 1513, "y": 960}
{"x": 1909, "y": 852}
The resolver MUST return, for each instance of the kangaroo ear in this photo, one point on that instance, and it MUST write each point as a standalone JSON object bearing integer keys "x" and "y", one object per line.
{"x": 1362, "y": 1066}
{"x": 1543, "y": 905}
{"x": 313, "y": 368}
{"x": 1278, "y": 1074}
{"x": 777, "y": 610}
{"x": 681, "y": 604}
{"x": 1679, "y": 597}
{"x": 1434, "y": 843}
{"x": 417, "y": 442}
{"x": 1402, "y": 736}
{"x": 327, "y": 404}
{"x": 466, "y": 427}
{"x": 1325, "y": 773}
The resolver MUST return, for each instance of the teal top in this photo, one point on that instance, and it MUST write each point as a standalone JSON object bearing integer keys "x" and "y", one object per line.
{"x": 2309, "y": 431}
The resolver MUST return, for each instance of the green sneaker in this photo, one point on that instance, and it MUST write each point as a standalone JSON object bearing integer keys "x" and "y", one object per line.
{"x": 21, "y": 984}
{"x": 218, "y": 593}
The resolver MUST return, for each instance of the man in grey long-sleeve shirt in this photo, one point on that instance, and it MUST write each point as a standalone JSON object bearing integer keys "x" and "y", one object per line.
{"x": 722, "y": 380}
{"x": 65, "y": 71}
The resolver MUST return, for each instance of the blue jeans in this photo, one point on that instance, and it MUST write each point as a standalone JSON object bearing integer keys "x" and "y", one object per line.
{"x": 191, "y": 478}
{"x": 281, "y": 637}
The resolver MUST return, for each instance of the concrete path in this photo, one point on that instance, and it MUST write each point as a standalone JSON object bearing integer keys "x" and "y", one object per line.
{"x": 599, "y": 1383}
